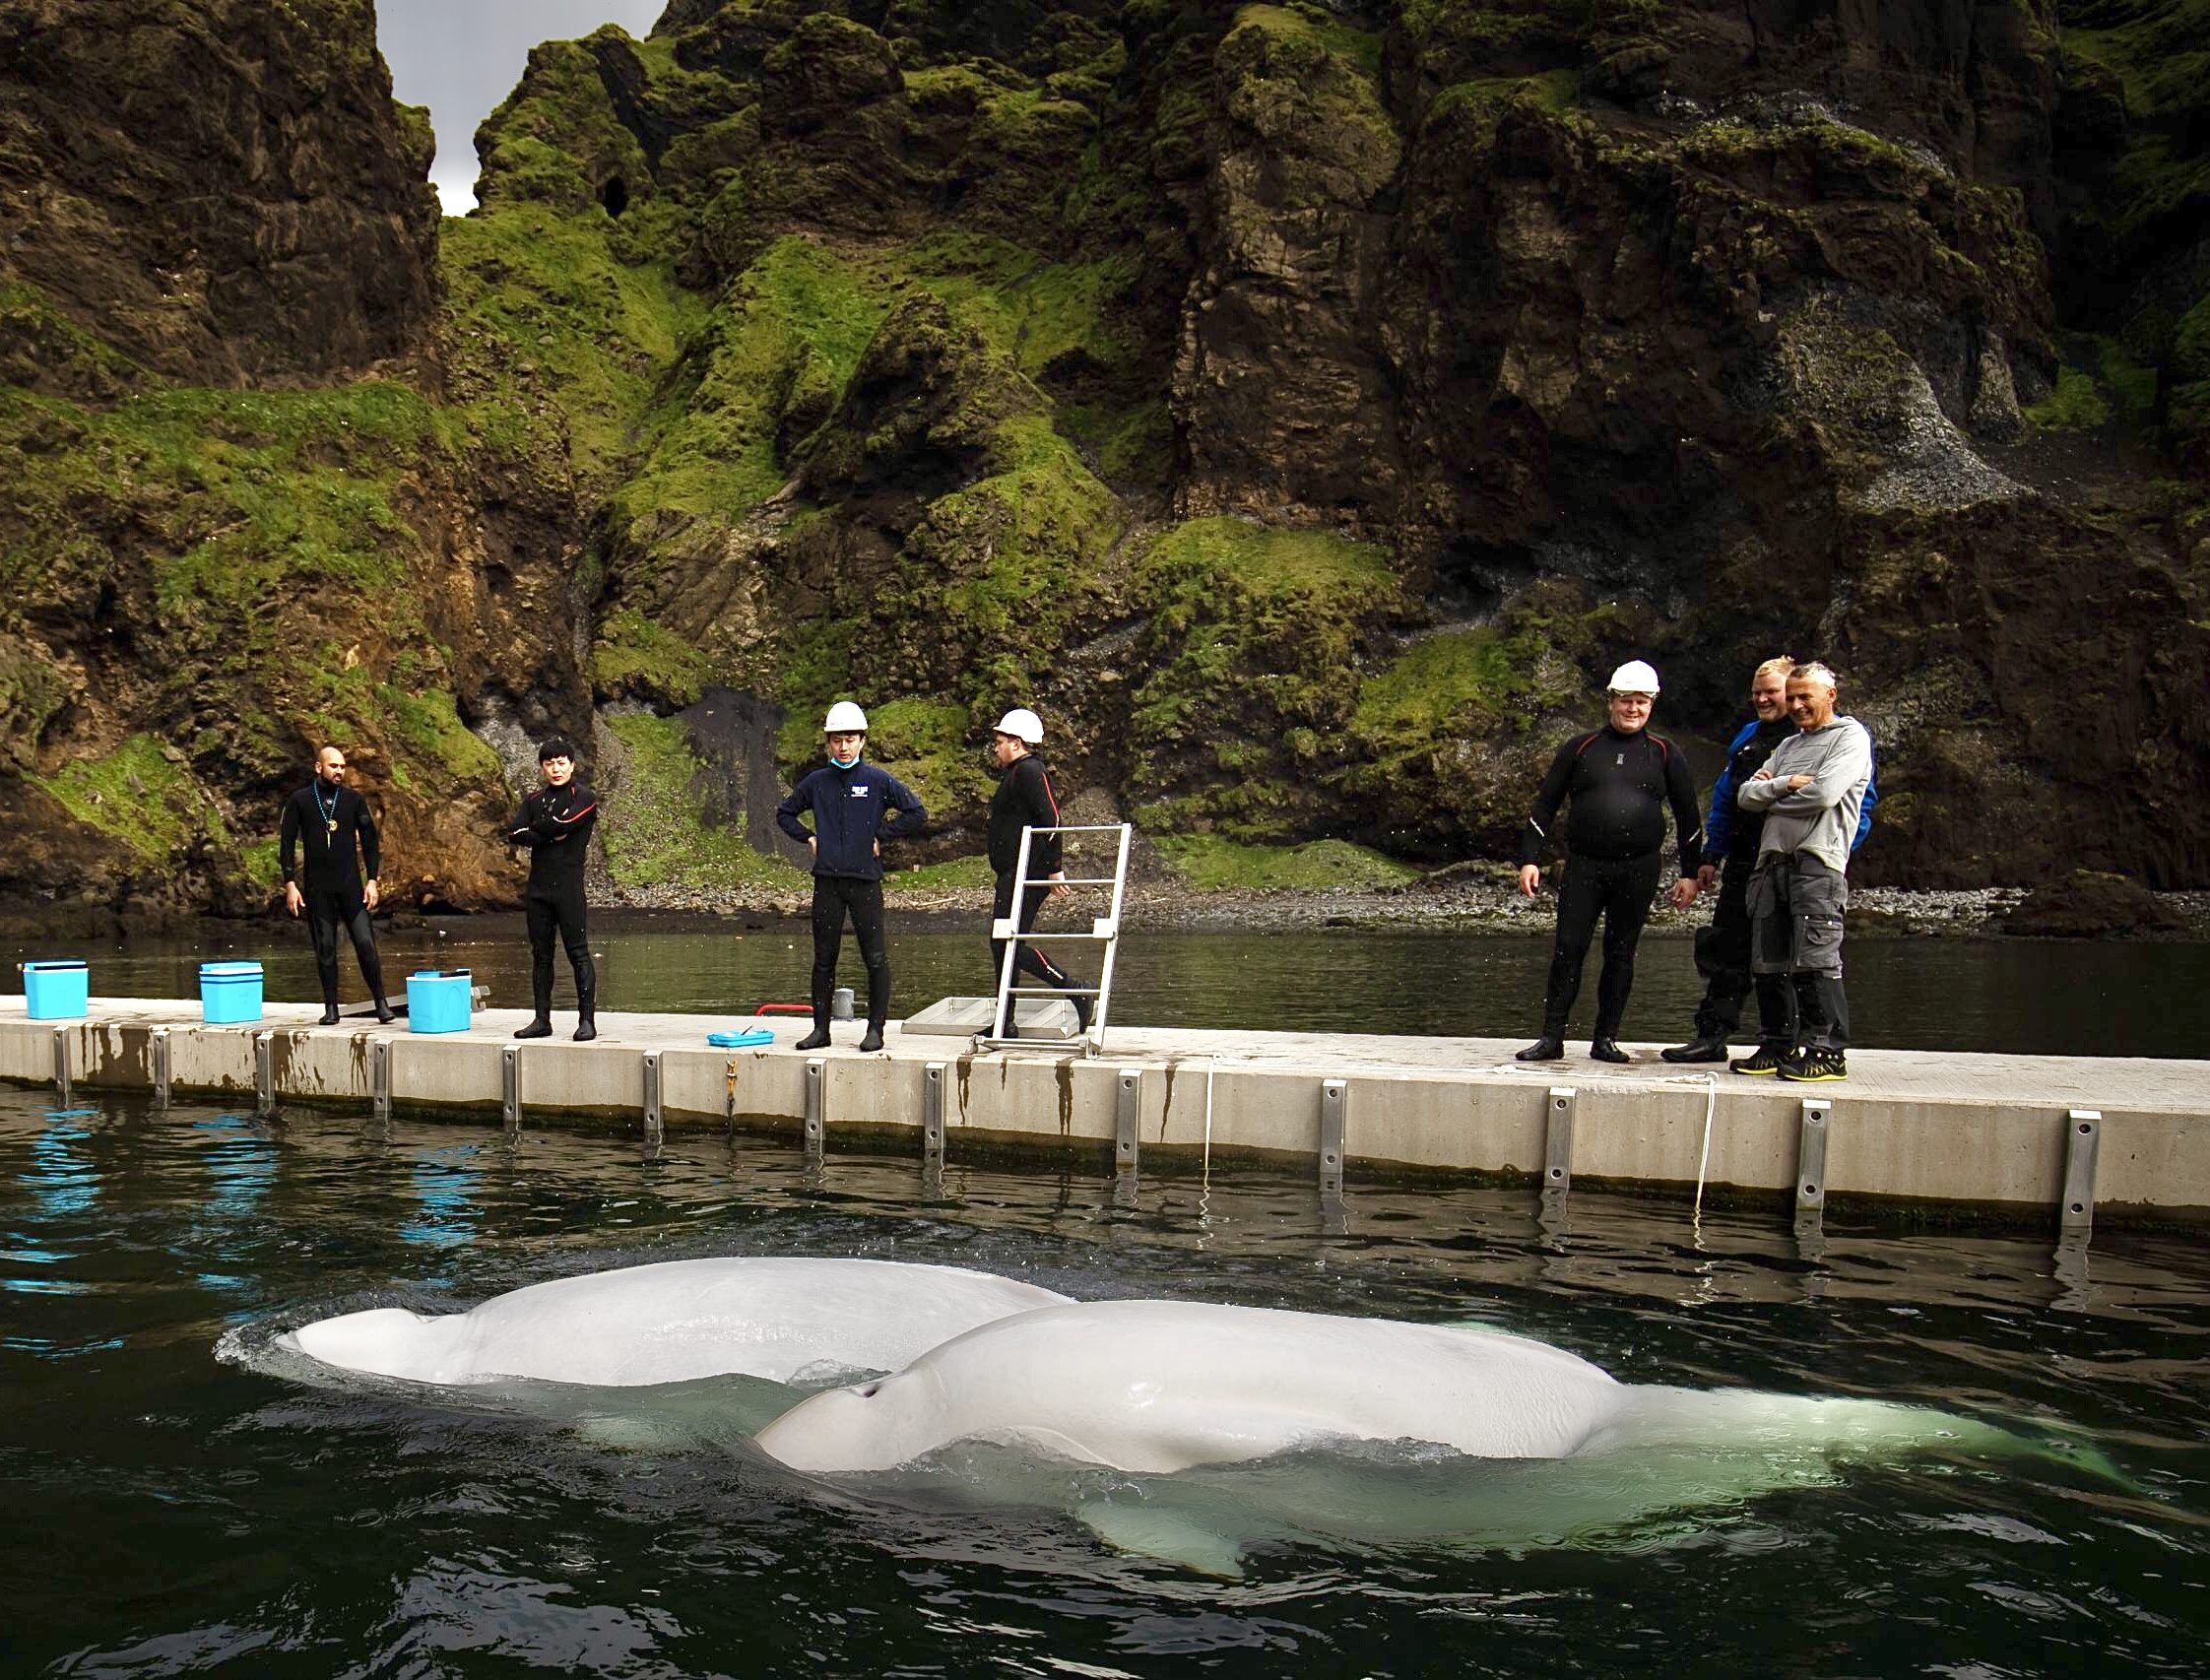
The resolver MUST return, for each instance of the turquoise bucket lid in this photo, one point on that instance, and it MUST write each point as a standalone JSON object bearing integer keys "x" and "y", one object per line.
{"x": 230, "y": 971}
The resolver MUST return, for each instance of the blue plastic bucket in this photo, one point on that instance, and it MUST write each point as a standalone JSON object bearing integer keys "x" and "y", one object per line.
{"x": 229, "y": 991}
{"x": 56, "y": 990}
{"x": 437, "y": 1000}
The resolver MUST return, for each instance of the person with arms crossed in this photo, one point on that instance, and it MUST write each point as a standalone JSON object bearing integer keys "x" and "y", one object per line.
{"x": 1810, "y": 793}
{"x": 555, "y": 825}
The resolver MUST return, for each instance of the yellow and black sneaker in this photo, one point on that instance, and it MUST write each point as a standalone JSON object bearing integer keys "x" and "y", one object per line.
{"x": 1807, "y": 1066}
{"x": 1765, "y": 1059}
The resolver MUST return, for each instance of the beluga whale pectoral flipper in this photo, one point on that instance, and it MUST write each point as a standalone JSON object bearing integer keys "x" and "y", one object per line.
{"x": 673, "y": 1321}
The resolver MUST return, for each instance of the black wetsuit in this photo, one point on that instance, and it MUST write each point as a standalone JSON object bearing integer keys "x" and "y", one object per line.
{"x": 1026, "y": 800}
{"x": 329, "y": 827}
{"x": 1730, "y": 837}
{"x": 1619, "y": 786}
{"x": 555, "y": 823}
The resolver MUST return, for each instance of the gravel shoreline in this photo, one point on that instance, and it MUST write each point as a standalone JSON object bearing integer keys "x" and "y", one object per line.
{"x": 1468, "y": 898}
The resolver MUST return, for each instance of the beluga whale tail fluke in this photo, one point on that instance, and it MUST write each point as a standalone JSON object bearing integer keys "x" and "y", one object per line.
{"x": 673, "y": 1321}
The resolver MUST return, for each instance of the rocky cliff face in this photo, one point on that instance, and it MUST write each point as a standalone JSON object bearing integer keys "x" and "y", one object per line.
{"x": 1303, "y": 406}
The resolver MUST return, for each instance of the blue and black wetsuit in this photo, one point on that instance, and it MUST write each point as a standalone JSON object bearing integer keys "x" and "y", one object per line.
{"x": 1619, "y": 786}
{"x": 852, "y": 807}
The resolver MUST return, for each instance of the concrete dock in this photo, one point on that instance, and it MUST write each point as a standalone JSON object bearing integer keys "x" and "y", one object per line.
{"x": 2072, "y": 1138}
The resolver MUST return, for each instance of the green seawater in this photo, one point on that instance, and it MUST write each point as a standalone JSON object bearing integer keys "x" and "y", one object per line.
{"x": 173, "y": 1513}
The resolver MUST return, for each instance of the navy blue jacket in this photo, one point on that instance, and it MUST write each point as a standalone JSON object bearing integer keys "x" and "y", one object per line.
{"x": 851, "y": 810}
{"x": 1718, "y": 823}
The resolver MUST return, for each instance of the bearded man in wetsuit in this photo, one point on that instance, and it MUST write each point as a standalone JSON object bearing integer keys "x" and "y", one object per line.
{"x": 554, "y": 823}
{"x": 328, "y": 821}
{"x": 1026, "y": 799}
{"x": 1619, "y": 780}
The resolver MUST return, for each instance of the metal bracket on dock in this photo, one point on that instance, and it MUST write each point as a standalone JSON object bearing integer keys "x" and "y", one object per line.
{"x": 379, "y": 1077}
{"x": 156, "y": 1056}
{"x": 1811, "y": 1156}
{"x": 1557, "y": 1138}
{"x": 1335, "y": 1127}
{"x": 510, "y": 1086}
{"x": 2083, "y": 1131}
{"x": 653, "y": 1126}
{"x": 264, "y": 1074}
{"x": 932, "y": 1111}
{"x": 61, "y": 1065}
{"x": 1126, "y": 1112}
{"x": 817, "y": 1074}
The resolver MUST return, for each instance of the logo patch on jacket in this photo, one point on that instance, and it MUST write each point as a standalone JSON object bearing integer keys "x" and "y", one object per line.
{"x": 860, "y": 791}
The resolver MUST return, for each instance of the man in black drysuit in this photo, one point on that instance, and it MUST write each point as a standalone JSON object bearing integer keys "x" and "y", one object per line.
{"x": 855, "y": 807}
{"x": 332, "y": 821}
{"x": 1026, "y": 800}
{"x": 555, "y": 823}
{"x": 1620, "y": 781}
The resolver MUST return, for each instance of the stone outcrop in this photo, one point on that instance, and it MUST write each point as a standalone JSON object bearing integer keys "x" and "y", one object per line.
{"x": 1302, "y": 405}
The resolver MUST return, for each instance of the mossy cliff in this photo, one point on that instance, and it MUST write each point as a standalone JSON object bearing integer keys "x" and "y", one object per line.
{"x": 1302, "y": 406}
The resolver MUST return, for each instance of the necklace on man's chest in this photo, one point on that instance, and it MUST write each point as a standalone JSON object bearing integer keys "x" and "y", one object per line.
{"x": 329, "y": 811}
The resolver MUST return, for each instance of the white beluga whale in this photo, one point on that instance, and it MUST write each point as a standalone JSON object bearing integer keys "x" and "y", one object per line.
{"x": 1187, "y": 1431}
{"x": 1161, "y": 1386}
{"x": 785, "y": 1320}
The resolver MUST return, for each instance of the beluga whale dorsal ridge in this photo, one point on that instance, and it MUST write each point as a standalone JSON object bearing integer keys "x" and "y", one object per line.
{"x": 675, "y": 1320}
{"x": 1162, "y": 1386}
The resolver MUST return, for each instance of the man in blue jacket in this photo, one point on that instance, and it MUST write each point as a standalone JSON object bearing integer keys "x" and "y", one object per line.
{"x": 1731, "y": 836}
{"x": 855, "y": 807}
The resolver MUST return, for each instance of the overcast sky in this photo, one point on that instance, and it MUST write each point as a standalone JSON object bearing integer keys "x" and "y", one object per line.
{"x": 462, "y": 57}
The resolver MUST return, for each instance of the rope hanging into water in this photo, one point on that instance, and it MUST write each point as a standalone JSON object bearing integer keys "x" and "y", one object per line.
{"x": 1704, "y": 1161}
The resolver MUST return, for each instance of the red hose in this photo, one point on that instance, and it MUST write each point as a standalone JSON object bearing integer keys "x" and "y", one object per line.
{"x": 784, "y": 1009}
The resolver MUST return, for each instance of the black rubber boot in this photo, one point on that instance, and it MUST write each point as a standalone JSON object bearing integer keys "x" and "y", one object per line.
{"x": 872, "y": 1038}
{"x": 1544, "y": 1049}
{"x": 383, "y": 1011}
{"x": 329, "y": 1001}
{"x": 542, "y": 1027}
{"x": 1607, "y": 1050}
{"x": 818, "y": 1039}
{"x": 1705, "y": 1047}
{"x": 541, "y": 996}
{"x": 1084, "y": 1009}
{"x": 587, "y": 1015}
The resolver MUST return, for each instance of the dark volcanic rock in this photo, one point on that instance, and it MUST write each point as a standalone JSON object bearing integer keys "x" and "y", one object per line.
{"x": 2086, "y": 904}
{"x": 221, "y": 191}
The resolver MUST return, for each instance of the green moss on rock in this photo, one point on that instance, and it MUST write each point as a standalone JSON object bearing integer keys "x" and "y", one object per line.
{"x": 141, "y": 795}
{"x": 659, "y": 829}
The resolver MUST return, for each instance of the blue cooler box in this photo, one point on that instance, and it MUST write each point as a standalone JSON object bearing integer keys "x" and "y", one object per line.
{"x": 56, "y": 990}
{"x": 437, "y": 1000}
{"x": 229, "y": 991}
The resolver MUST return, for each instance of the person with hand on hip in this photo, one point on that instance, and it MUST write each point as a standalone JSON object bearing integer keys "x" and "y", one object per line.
{"x": 855, "y": 807}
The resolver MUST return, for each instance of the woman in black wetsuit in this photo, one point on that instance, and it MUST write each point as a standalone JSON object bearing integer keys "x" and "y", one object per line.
{"x": 555, "y": 823}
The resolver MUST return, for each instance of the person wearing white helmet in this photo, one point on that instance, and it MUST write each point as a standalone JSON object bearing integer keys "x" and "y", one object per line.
{"x": 855, "y": 807}
{"x": 1619, "y": 782}
{"x": 1026, "y": 799}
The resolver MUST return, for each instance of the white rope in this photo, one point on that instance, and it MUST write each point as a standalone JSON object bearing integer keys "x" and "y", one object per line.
{"x": 1703, "y": 1163}
{"x": 1210, "y": 1062}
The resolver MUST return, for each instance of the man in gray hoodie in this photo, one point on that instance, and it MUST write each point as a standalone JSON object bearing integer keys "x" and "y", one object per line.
{"x": 1809, "y": 793}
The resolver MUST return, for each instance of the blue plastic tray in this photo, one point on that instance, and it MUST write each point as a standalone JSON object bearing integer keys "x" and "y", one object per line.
{"x": 738, "y": 1040}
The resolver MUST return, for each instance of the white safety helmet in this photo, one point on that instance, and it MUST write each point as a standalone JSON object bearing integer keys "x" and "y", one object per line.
{"x": 845, "y": 717}
{"x": 1023, "y": 725}
{"x": 1636, "y": 677}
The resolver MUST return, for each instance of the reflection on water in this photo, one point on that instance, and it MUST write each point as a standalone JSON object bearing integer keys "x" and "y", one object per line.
{"x": 196, "y": 1515}
{"x": 2082, "y": 997}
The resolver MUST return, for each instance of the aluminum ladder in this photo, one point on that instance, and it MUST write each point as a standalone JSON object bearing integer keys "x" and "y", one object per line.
{"x": 1103, "y": 930}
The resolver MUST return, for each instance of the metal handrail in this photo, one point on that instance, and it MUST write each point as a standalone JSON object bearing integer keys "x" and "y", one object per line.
{"x": 1105, "y": 930}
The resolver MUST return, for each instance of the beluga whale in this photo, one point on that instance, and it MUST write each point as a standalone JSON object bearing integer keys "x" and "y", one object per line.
{"x": 783, "y": 1318}
{"x": 1188, "y": 1431}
